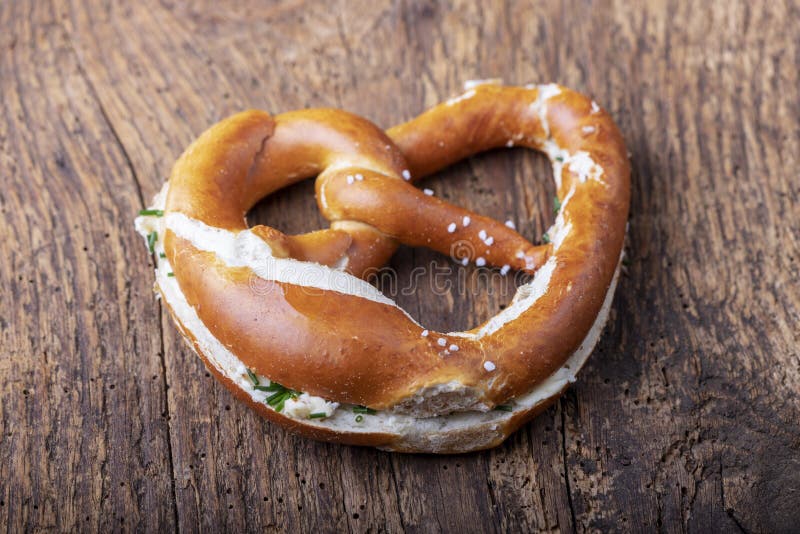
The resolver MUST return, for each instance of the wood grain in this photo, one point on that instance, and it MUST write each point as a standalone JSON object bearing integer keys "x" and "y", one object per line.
{"x": 687, "y": 417}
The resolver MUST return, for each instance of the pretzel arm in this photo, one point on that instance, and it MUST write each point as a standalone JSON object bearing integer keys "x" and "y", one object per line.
{"x": 325, "y": 247}
{"x": 421, "y": 220}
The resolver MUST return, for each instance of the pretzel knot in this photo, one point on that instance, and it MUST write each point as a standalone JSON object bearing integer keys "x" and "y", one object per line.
{"x": 321, "y": 351}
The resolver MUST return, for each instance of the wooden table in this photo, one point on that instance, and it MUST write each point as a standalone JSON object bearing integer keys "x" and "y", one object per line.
{"x": 687, "y": 415}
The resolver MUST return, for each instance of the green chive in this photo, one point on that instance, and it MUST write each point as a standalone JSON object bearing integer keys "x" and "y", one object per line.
{"x": 317, "y": 415}
{"x": 359, "y": 418}
{"x": 274, "y": 386}
{"x": 363, "y": 409}
{"x": 152, "y": 237}
{"x": 156, "y": 213}
{"x": 253, "y": 377}
{"x": 504, "y": 408}
{"x": 275, "y": 398}
{"x": 162, "y": 255}
{"x": 279, "y": 397}
{"x": 556, "y": 205}
{"x": 171, "y": 275}
{"x": 546, "y": 238}
{"x": 559, "y": 158}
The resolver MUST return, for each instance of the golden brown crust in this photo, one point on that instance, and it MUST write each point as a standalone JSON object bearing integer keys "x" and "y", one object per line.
{"x": 383, "y": 440}
{"x": 349, "y": 349}
{"x": 373, "y": 439}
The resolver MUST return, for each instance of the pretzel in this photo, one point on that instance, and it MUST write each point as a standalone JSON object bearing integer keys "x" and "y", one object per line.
{"x": 288, "y": 324}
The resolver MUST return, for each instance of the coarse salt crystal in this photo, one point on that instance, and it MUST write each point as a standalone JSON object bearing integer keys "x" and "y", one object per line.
{"x": 529, "y": 263}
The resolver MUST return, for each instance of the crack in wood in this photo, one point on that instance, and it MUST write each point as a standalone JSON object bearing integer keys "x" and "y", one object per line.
{"x": 729, "y": 510}
{"x": 564, "y": 456}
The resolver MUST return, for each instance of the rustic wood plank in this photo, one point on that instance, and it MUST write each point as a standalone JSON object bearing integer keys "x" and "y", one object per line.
{"x": 82, "y": 443}
{"x": 687, "y": 416}
{"x": 701, "y": 360}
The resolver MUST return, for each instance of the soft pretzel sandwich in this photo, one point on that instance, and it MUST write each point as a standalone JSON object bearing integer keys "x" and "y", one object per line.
{"x": 290, "y": 326}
